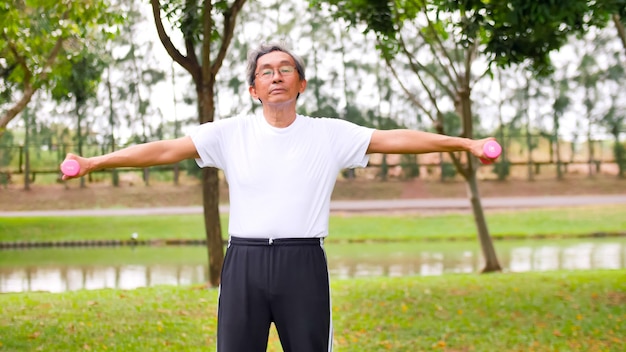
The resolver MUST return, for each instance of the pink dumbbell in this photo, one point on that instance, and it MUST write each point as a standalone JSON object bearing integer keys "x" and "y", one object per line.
{"x": 70, "y": 167}
{"x": 492, "y": 150}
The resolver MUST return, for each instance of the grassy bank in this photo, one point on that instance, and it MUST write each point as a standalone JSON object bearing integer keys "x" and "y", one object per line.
{"x": 561, "y": 222}
{"x": 557, "y": 311}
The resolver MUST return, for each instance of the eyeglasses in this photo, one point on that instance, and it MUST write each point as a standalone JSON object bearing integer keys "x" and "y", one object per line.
{"x": 266, "y": 74}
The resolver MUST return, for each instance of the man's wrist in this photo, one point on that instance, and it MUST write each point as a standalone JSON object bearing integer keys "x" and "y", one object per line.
{"x": 466, "y": 144}
{"x": 93, "y": 163}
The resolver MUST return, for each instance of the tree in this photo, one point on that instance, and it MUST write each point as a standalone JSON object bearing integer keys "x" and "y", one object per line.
{"x": 457, "y": 33}
{"x": 80, "y": 87}
{"x": 615, "y": 121}
{"x": 6, "y": 142}
{"x": 619, "y": 26}
{"x": 502, "y": 167}
{"x": 198, "y": 22}
{"x": 141, "y": 74}
{"x": 589, "y": 74}
{"x": 37, "y": 40}
{"x": 559, "y": 106}
{"x": 413, "y": 40}
{"x": 611, "y": 11}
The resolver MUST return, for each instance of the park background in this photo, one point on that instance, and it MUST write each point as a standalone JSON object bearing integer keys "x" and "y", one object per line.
{"x": 561, "y": 126}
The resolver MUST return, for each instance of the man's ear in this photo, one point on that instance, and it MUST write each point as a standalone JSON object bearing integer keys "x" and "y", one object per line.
{"x": 252, "y": 91}
{"x": 302, "y": 86}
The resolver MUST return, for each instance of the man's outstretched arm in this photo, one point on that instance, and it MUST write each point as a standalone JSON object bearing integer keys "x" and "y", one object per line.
{"x": 141, "y": 155}
{"x": 404, "y": 141}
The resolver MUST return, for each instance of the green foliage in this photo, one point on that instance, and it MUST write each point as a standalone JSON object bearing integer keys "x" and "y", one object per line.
{"x": 510, "y": 32}
{"x": 42, "y": 38}
{"x": 31, "y": 30}
{"x": 82, "y": 82}
{"x": 189, "y": 18}
{"x": 517, "y": 30}
{"x": 602, "y": 10}
{"x": 376, "y": 14}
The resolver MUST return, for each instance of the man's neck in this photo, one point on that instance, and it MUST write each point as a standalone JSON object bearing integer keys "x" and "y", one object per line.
{"x": 279, "y": 117}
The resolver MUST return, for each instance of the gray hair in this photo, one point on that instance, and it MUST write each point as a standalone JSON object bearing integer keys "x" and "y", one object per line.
{"x": 266, "y": 48}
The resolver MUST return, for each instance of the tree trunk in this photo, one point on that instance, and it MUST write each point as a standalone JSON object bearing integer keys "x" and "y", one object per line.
{"x": 27, "y": 130}
{"x": 559, "y": 163}
{"x": 210, "y": 188}
{"x": 529, "y": 145}
{"x": 551, "y": 156}
{"x": 114, "y": 174}
{"x": 79, "y": 135}
{"x": 529, "y": 162}
{"x": 486, "y": 242}
{"x": 557, "y": 147}
{"x": 442, "y": 176}
{"x": 384, "y": 168}
{"x": 618, "y": 150}
{"x": 503, "y": 171}
{"x": 590, "y": 149}
{"x": 146, "y": 176}
{"x": 215, "y": 243}
{"x": 621, "y": 32}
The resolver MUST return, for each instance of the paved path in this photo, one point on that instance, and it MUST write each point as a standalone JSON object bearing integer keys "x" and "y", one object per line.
{"x": 395, "y": 205}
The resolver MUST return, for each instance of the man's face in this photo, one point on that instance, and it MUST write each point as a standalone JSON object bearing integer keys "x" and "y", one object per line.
{"x": 276, "y": 79}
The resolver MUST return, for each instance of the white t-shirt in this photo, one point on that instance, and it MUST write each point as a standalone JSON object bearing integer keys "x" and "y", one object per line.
{"x": 281, "y": 179}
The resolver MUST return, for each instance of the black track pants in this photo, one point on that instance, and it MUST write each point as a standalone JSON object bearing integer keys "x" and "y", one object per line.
{"x": 284, "y": 281}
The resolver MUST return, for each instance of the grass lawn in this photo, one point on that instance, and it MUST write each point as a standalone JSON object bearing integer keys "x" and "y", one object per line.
{"x": 561, "y": 222}
{"x": 555, "y": 311}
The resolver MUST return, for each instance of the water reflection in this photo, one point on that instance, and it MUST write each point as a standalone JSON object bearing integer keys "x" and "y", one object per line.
{"x": 59, "y": 279}
{"x": 345, "y": 261}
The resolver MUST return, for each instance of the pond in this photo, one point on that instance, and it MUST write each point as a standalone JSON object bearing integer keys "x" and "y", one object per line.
{"x": 58, "y": 270}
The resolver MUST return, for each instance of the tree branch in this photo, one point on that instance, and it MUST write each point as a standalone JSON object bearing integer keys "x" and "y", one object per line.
{"x": 459, "y": 166}
{"x": 188, "y": 63}
{"x": 442, "y": 48}
{"x": 207, "y": 30}
{"x": 410, "y": 94}
{"x": 230, "y": 19}
{"x": 469, "y": 60}
{"x": 17, "y": 107}
{"x": 417, "y": 67}
{"x": 621, "y": 32}
{"x": 29, "y": 89}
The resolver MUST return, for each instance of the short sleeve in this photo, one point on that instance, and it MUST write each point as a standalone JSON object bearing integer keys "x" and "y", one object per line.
{"x": 350, "y": 142}
{"x": 209, "y": 140}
